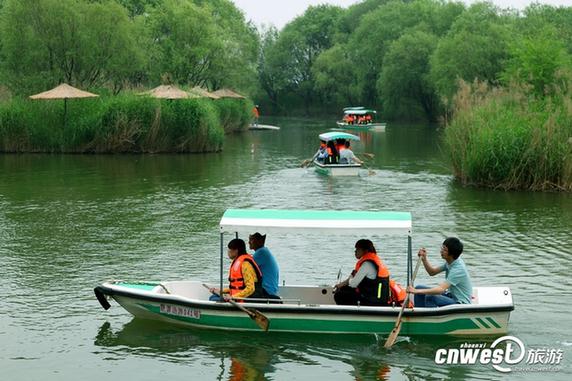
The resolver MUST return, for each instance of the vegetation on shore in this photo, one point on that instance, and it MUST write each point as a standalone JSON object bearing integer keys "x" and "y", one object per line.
{"x": 124, "y": 123}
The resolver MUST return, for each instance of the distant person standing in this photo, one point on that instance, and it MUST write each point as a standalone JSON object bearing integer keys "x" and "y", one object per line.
{"x": 256, "y": 114}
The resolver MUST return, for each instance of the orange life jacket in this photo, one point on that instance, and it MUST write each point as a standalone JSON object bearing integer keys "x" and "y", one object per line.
{"x": 374, "y": 291}
{"x": 382, "y": 271}
{"x": 237, "y": 280}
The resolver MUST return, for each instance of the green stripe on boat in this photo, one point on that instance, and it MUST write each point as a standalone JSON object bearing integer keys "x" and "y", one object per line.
{"x": 322, "y": 325}
{"x": 493, "y": 322}
{"x": 316, "y": 215}
{"x": 483, "y": 323}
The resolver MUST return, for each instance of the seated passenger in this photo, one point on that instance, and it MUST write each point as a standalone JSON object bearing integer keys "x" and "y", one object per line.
{"x": 333, "y": 157}
{"x": 267, "y": 265}
{"x": 322, "y": 152}
{"x": 244, "y": 275}
{"x": 369, "y": 282}
{"x": 347, "y": 155}
{"x": 340, "y": 145}
{"x": 457, "y": 287}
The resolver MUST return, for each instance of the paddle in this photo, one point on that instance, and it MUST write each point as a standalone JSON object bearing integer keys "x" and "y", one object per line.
{"x": 262, "y": 321}
{"x": 395, "y": 332}
{"x": 305, "y": 163}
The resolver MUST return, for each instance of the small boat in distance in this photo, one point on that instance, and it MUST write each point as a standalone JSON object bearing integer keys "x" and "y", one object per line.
{"x": 360, "y": 118}
{"x": 337, "y": 169}
{"x": 263, "y": 127}
{"x": 310, "y": 308}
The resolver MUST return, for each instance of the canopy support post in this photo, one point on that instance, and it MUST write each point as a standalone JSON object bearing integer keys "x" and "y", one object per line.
{"x": 221, "y": 264}
{"x": 409, "y": 260}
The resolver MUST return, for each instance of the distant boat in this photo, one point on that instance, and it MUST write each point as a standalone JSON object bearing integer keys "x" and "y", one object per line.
{"x": 262, "y": 127}
{"x": 360, "y": 118}
{"x": 337, "y": 169}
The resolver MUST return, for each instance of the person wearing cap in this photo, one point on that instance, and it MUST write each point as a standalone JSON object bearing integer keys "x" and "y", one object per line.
{"x": 267, "y": 264}
{"x": 457, "y": 287}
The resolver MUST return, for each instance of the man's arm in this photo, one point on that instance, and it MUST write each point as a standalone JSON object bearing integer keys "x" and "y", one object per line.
{"x": 431, "y": 270}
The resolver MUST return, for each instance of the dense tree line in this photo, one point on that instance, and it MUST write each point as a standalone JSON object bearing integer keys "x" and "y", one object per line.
{"x": 407, "y": 57}
{"x": 117, "y": 44}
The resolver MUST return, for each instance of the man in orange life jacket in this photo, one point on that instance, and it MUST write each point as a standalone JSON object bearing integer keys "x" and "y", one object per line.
{"x": 244, "y": 275}
{"x": 369, "y": 282}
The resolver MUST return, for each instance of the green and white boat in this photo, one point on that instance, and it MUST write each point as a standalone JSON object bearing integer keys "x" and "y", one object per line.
{"x": 337, "y": 169}
{"x": 356, "y": 112}
{"x": 310, "y": 308}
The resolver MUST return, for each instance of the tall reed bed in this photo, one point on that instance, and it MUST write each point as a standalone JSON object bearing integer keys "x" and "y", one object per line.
{"x": 119, "y": 124}
{"x": 507, "y": 138}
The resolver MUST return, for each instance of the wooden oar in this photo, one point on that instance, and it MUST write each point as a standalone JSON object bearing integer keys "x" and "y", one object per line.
{"x": 262, "y": 321}
{"x": 305, "y": 163}
{"x": 395, "y": 332}
{"x": 368, "y": 155}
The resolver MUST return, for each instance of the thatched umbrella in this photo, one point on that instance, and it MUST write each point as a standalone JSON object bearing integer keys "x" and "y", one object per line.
{"x": 203, "y": 93}
{"x": 169, "y": 92}
{"x": 65, "y": 92}
{"x": 227, "y": 93}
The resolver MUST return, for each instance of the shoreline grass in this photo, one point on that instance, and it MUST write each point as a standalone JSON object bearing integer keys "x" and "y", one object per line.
{"x": 126, "y": 123}
{"x": 509, "y": 139}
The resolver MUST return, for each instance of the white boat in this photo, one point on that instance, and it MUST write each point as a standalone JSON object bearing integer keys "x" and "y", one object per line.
{"x": 310, "y": 308}
{"x": 263, "y": 127}
{"x": 351, "y": 113}
{"x": 337, "y": 169}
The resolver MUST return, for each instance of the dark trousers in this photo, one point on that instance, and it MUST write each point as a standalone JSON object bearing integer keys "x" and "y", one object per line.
{"x": 346, "y": 296}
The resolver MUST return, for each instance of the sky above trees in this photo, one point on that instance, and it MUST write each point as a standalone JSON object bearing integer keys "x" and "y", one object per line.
{"x": 280, "y": 12}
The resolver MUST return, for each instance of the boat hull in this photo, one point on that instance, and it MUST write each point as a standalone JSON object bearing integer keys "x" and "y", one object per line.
{"x": 454, "y": 320}
{"x": 337, "y": 169}
{"x": 372, "y": 126}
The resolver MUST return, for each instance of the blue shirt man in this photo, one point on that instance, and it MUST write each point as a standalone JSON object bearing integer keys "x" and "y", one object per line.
{"x": 457, "y": 287}
{"x": 266, "y": 262}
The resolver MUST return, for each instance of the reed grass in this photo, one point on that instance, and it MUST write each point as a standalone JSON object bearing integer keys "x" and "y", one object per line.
{"x": 125, "y": 123}
{"x": 508, "y": 138}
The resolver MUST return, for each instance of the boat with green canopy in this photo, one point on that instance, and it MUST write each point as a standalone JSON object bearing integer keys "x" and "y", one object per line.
{"x": 309, "y": 308}
{"x": 360, "y": 118}
{"x": 346, "y": 169}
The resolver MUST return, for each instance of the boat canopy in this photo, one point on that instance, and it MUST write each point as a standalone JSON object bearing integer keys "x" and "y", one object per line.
{"x": 321, "y": 221}
{"x": 335, "y": 135}
{"x": 354, "y": 108}
{"x": 360, "y": 111}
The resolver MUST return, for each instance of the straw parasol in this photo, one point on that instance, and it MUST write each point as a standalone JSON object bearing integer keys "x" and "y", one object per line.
{"x": 227, "y": 93}
{"x": 65, "y": 92}
{"x": 169, "y": 92}
{"x": 203, "y": 93}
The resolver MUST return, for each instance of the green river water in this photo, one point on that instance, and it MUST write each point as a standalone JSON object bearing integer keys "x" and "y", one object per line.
{"x": 68, "y": 223}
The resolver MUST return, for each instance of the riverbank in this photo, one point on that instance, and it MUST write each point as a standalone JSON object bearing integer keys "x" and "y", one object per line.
{"x": 509, "y": 138}
{"x": 125, "y": 123}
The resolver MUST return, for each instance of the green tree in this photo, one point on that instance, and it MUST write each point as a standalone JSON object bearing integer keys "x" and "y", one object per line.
{"x": 299, "y": 45}
{"x": 538, "y": 61}
{"x": 474, "y": 48}
{"x": 335, "y": 77}
{"x": 378, "y": 29}
{"x": 404, "y": 84}
{"x": 82, "y": 43}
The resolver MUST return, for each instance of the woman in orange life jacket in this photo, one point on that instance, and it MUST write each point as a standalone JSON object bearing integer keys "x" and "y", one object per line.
{"x": 245, "y": 278}
{"x": 333, "y": 155}
{"x": 369, "y": 283}
{"x": 340, "y": 145}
